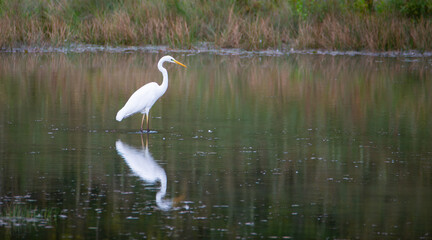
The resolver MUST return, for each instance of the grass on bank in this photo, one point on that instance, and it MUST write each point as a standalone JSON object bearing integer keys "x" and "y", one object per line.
{"x": 374, "y": 25}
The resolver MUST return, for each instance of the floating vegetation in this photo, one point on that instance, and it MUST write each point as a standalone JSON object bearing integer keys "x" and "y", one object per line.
{"x": 19, "y": 215}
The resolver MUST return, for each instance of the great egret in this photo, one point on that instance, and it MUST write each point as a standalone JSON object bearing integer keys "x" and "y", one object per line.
{"x": 143, "y": 99}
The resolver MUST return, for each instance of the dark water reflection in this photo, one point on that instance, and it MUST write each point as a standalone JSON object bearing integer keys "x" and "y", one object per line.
{"x": 295, "y": 146}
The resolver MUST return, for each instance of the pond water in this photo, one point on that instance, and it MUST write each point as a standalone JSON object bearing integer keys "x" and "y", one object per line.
{"x": 291, "y": 146}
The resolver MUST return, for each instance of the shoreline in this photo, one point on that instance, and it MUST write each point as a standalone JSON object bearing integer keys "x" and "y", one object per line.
{"x": 206, "y": 48}
{"x": 255, "y": 25}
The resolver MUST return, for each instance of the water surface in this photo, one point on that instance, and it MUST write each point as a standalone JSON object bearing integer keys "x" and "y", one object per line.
{"x": 292, "y": 146}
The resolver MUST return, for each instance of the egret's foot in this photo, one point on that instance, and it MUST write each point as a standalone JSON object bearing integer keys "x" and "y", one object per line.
{"x": 143, "y": 132}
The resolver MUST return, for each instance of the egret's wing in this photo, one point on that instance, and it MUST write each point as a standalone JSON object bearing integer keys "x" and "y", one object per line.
{"x": 141, "y": 99}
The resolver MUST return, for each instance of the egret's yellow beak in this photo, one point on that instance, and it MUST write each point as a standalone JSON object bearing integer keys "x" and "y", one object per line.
{"x": 179, "y": 63}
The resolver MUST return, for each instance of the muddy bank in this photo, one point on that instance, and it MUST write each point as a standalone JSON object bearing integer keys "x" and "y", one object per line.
{"x": 205, "y": 48}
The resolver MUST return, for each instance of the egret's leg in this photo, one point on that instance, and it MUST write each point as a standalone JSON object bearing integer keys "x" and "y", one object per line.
{"x": 148, "y": 123}
{"x": 142, "y": 122}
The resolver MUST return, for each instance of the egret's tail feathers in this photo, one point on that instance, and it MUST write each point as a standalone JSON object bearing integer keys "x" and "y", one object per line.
{"x": 120, "y": 115}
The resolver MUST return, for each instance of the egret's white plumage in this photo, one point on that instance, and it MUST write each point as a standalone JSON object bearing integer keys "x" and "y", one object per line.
{"x": 143, "y": 99}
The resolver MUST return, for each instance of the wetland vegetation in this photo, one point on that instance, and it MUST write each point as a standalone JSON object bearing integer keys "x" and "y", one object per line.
{"x": 380, "y": 25}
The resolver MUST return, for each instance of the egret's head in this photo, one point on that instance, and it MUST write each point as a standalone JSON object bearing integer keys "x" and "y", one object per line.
{"x": 172, "y": 60}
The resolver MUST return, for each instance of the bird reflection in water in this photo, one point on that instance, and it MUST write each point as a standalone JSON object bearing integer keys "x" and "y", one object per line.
{"x": 143, "y": 164}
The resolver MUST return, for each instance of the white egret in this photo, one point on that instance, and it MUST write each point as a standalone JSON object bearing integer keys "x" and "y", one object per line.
{"x": 143, "y": 99}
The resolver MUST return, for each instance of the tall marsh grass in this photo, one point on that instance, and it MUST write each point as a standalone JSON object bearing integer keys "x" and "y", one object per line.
{"x": 251, "y": 24}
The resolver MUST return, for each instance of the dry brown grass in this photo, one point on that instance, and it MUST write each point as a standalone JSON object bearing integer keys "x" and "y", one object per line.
{"x": 365, "y": 33}
{"x": 158, "y": 23}
{"x": 32, "y": 32}
{"x": 57, "y": 30}
{"x": 421, "y": 35}
{"x": 120, "y": 28}
{"x": 231, "y": 33}
{"x": 237, "y": 32}
{"x": 261, "y": 33}
{"x": 7, "y": 30}
{"x": 116, "y": 29}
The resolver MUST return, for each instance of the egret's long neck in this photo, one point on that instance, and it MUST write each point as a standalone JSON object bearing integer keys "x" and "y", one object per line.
{"x": 164, "y": 72}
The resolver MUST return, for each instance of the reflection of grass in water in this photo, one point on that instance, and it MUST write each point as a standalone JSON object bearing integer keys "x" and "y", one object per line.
{"x": 23, "y": 215}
